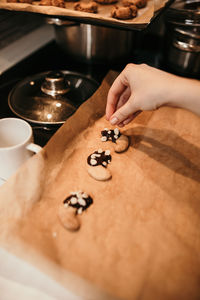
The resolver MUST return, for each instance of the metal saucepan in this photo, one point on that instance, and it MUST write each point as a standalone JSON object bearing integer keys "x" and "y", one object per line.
{"x": 49, "y": 98}
{"x": 182, "y": 37}
{"x": 92, "y": 44}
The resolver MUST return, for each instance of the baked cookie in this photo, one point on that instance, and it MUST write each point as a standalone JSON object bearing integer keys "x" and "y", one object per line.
{"x": 58, "y": 3}
{"x": 124, "y": 13}
{"x": 138, "y": 3}
{"x": 106, "y": 1}
{"x": 20, "y": 1}
{"x": 121, "y": 142}
{"x": 72, "y": 206}
{"x": 68, "y": 219}
{"x": 97, "y": 165}
{"x": 90, "y": 7}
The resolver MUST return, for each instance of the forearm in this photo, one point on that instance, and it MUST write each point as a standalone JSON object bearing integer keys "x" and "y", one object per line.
{"x": 186, "y": 95}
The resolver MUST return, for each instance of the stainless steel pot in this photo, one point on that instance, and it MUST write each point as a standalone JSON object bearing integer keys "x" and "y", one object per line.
{"x": 182, "y": 37}
{"x": 92, "y": 44}
{"x": 49, "y": 98}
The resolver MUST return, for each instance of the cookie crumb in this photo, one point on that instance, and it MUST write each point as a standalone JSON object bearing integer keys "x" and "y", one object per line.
{"x": 54, "y": 234}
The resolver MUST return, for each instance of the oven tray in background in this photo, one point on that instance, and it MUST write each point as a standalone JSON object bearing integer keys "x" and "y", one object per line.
{"x": 145, "y": 15}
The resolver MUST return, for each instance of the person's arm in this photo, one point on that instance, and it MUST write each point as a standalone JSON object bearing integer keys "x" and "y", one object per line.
{"x": 141, "y": 87}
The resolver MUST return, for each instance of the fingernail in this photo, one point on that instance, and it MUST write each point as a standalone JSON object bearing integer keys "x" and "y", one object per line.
{"x": 113, "y": 121}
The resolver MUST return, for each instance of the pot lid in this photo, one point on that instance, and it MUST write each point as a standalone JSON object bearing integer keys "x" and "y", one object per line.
{"x": 184, "y": 12}
{"x": 50, "y": 97}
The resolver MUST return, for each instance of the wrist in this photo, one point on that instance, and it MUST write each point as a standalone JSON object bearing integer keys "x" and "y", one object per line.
{"x": 185, "y": 93}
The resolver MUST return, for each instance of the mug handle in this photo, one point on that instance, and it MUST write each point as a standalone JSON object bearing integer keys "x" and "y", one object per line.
{"x": 33, "y": 147}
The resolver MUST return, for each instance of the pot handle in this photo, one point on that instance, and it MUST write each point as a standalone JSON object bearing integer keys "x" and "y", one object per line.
{"x": 60, "y": 22}
{"x": 186, "y": 47}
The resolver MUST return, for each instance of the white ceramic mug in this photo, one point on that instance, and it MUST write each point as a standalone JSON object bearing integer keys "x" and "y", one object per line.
{"x": 16, "y": 145}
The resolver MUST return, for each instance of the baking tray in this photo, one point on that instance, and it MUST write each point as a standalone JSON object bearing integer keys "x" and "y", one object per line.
{"x": 144, "y": 18}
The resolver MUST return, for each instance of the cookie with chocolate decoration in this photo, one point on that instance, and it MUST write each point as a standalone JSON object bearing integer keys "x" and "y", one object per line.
{"x": 98, "y": 162}
{"x": 72, "y": 206}
{"x": 124, "y": 13}
{"x": 90, "y": 7}
{"x": 138, "y": 3}
{"x": 121, "y": 142}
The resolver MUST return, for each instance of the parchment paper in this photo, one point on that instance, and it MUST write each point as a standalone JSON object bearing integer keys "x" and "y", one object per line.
{"x": 140, "y": 238}
{"x": 144, "y": 15}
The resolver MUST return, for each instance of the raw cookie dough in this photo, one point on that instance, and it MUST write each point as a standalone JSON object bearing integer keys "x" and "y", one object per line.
{"x": 74, "y": 204}
{"x": 121, "y": 142}
{"x": 97, "y": 165}
{"x": 90, "y": 7}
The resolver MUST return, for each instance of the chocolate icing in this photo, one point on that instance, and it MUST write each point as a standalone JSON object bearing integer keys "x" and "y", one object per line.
{"x": 110, "y": 134}
{"x": 79, "y": 195}
{"x": 101, "y": 158}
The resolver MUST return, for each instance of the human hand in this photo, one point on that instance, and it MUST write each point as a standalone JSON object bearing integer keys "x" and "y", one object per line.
{"x": 137, "y": 88}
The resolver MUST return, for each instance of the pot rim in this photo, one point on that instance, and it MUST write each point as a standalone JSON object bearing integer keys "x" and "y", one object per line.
{"x": 29, "y": 78}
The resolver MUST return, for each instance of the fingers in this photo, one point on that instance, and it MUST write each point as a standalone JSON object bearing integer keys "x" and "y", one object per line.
{"x": 129, "y": 119}
{"x": 116, "y": 90}
{"x": 120, "y": 101}
{"x": 123, "y": 98}
{"x": 124, "y": 112}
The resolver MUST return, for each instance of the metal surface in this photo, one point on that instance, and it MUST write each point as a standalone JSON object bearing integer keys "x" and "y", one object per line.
{"x": 27, "y": 101}
{"x": 184, "y": 13}
{"x": 55, "y": 84}
{"x": 182, "y": 46}
{"x": 93, "y": 44}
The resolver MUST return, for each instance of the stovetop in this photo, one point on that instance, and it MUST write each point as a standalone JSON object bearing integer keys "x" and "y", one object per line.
{"x": 50, "y": 58}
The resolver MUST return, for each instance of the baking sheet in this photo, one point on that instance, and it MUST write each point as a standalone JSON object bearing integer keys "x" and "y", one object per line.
{"x": 103, "y": 17}
{"x": 140, "y": 238}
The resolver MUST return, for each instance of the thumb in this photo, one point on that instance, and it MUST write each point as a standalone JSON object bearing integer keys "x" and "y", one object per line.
{"x": 123, "y": 112}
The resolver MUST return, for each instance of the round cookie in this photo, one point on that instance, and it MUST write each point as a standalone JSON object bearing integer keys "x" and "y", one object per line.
{"x": 138, "y": 3}
{"x": 106, "y": 1}
{"x": 58, "y": 3}
{"x": 90, "y": 7}
{"x": 97, "y": 165}
{"x": 124, "y": 13}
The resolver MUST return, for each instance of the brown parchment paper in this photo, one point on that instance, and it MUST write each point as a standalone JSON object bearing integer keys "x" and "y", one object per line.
{"x": 144, "y": 14}
{"x": 140, "y": 238}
